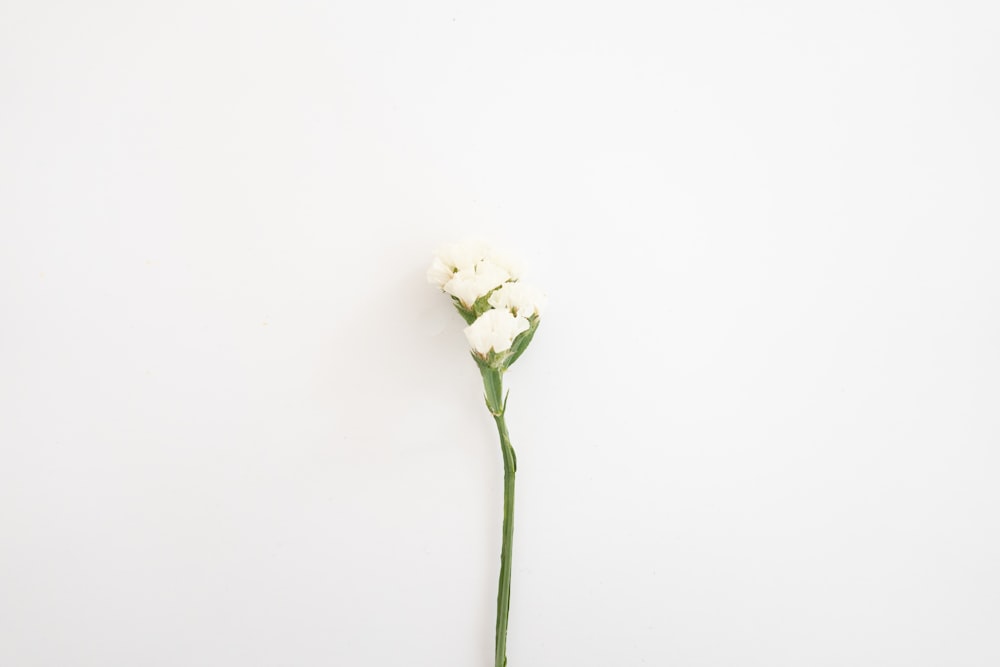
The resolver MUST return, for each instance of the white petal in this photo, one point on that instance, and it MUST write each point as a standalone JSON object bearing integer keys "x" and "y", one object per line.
{"x": 519, "y": 298}
{"x": 495, "y": 330}
{"x": 466, "y": 287}
{"x": 506, "y": 261}
{"x": 463, "y": 256}
{"x": 490, "y": 275}
{"x": 439, "y": 273}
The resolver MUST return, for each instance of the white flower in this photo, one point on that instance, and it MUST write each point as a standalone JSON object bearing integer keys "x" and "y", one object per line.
{"x": 455, "y": 257}
{"x": 519, "y": 298}
{"x": 495, "y": 330}
{"x": 467, "y": 271}
{"x": 505, "y": 261}
{"x": 468, "y": 257}
{"x": 470, "y": 284}
{"x": 440, "y": 273}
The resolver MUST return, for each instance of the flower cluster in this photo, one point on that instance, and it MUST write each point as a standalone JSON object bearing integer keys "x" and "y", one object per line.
{"x": 502, "y": 312}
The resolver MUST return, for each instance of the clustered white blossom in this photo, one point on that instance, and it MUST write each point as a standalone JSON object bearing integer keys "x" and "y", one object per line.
{"x": 495, "y": 330}
{"x": 521, "y": 299}
{"x": 486, "y": 288}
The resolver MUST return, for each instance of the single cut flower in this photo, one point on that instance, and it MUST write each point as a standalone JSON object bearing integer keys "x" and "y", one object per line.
{"x": 519, "y": 298}
{"x": 495, "y": 330}
{"x": 501, "y": 327}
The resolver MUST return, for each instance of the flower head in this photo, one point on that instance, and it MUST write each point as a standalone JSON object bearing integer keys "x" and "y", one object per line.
{"x": 468, "y": 285}
{"x": 495, "y": 330}
{"x": 502, "y": 313}
{"x": 519, "y": 298}
{"x": 471, "y": 270}
{"x": 453, "y": 258}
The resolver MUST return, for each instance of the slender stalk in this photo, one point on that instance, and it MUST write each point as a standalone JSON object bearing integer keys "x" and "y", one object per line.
{"x": 492, "y": 381}
{"x": 506, "y": 549}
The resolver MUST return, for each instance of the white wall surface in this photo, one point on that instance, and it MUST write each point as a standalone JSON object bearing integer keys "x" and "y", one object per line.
{"x": 760, "y": 423}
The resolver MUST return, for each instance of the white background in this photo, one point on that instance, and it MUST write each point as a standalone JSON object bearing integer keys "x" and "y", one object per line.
{"x": 759, "y": 425}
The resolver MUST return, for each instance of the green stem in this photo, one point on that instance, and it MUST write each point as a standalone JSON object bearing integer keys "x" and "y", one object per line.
{"x": 492, "y": 380}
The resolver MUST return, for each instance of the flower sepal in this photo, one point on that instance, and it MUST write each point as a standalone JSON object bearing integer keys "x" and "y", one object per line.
{"x": 491, "y": 361}
{"x": 521, "y": 343}
{"x": 468, "y": 314}
{"x": 493, "y": 388}
{"x": 501, "y": 361}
